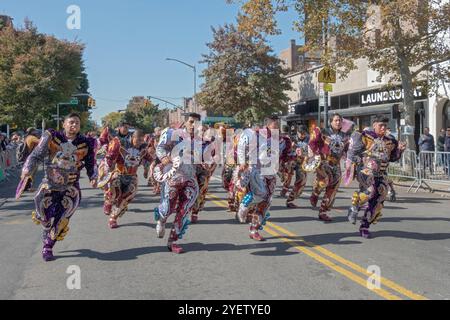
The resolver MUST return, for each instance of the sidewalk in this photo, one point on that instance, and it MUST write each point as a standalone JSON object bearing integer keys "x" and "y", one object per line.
{"x": 442, "y": 189}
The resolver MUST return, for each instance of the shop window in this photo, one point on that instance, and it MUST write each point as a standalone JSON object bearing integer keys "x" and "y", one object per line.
{"x": 354, "y": 100}
{"x": 334, "y": 103}
{"x": 343, "y": 102}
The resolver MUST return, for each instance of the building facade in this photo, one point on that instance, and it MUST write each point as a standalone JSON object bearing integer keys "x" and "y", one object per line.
{"x": 360, "y": 97}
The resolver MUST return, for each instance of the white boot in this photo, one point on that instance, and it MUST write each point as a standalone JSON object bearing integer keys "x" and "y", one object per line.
{"x": 160, "y": 229}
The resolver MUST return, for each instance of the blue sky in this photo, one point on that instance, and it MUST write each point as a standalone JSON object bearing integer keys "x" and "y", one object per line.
{"x": 127, "y": 42}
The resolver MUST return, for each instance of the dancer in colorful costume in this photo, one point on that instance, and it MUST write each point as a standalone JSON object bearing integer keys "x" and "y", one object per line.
{"x": 287, "y": 161}
{"x": 118, "y": 172}
{"x": 64, "y": 154}
{"x": 230, "y": 164}
{"x": 149, "y": 166}
{"x": 124, "y": 136}
{"x": 369, "y": 155}
{"x": 327, "y": 146}
{"x": 300, "y": 151}
{"x": 259, "y": 179}
{"x": 204, "y": 170}
{"x": 179, "y": 187}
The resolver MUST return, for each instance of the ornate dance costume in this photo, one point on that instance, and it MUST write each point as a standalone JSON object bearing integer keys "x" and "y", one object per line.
{"x": 331, "y": 147}
{"x": 369, "y": 157}
{"x": 228, "y": 175}
{"x": 149, "y": 165}
{"x": 300, "y": 151}
{"x": 118, "y": 173}
{"x": 203, "y": 172}
{"x": 287, "y": 163}
{"x": 179, "y": 191}
{"x": 59, "y": 193}
{"x": 105, "y": 138}
{"x": 260, "y": 187}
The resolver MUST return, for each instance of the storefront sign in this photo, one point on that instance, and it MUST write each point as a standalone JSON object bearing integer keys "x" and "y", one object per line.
{"x": 374, "y": 97}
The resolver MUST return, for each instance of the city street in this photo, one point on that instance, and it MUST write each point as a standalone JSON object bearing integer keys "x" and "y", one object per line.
{"x": 302, "y": 258}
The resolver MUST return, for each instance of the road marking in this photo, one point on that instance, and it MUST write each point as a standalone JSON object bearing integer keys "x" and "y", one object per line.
{"x": 351, "y": 265}
{"x": 363, "y": 282}
{"x": 386, "y": 282}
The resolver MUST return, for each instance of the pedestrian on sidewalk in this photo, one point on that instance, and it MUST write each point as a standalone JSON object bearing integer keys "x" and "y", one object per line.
{"x": 440, "y": 148}
{"x": 447, "y": 150}
{"x": 426, "y": 145}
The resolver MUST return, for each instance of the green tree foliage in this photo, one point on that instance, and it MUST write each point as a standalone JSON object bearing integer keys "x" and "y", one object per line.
{"x": 243, "y": 78}
{"x": 112, "y": 120}
{"x": 36, "y": 72}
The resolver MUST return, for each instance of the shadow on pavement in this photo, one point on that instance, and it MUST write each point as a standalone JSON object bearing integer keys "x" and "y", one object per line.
{"x": 272, "y": 249}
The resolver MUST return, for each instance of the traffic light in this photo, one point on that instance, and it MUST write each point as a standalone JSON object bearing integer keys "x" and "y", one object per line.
{"x": 91, "y": 102}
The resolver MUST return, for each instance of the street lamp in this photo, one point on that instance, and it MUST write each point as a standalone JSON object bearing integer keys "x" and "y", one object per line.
{"x": 195, "y": 78}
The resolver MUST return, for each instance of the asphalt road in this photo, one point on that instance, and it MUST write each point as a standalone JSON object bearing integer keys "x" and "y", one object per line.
{"x": 302, "y": 258}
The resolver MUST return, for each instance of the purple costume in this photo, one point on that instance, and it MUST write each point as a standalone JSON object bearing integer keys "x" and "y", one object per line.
{"x": 59, "y": 193}
{"x": 369, "y": 157}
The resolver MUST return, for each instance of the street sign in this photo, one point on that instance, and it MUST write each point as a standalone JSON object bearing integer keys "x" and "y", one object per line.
{"x": 328, "y": 87}
{"x": 74, "y": 102}
{"x": 321, "y": 97}
{"x": 327, "y": 75}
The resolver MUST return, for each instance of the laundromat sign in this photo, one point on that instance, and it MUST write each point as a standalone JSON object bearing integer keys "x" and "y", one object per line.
{"x": 374, "y": 97}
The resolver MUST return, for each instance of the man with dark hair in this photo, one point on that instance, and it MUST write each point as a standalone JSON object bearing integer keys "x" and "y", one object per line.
{"x": 124, "y": 137}
{"x": 118, "y": 171}
{"x": 149, "y": 166}
{"x": 260, "y": 187}
{"x": 65, "y": 154}
{"x": 330, "y": 146}
{"x": 369, "y": 155}
{"x": 300, "y": 152}
{"x": 204, "y": 170}
{"x": 287, "y": 161}
{"x": 179, "y": 187}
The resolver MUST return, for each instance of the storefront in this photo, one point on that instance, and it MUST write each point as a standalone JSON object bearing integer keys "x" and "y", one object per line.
{"x": 361, "y": 107}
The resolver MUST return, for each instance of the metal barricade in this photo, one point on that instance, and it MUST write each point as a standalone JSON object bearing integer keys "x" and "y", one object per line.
{"x": 8, "y": 163}
{"x": 406, "y": 168}
{"x": 434, "y": 166}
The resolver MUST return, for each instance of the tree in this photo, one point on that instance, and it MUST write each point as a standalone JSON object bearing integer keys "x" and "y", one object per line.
{"x": 406, "y": 41}
{"x": 37, "y": 71}
{"x": 112, "y": 120}
{"x": 142, "y": 114}
{"x": 243, "y": 78}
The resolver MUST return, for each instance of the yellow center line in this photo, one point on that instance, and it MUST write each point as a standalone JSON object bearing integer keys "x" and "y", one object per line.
{"x": 363, "y": 282}
{"x": 386, "y": 282}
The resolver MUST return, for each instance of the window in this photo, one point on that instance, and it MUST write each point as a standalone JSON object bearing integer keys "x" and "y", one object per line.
{"x": 343, "y": 101}
{"x": 354, "y": 100}
{"x": 334, "y": 103}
